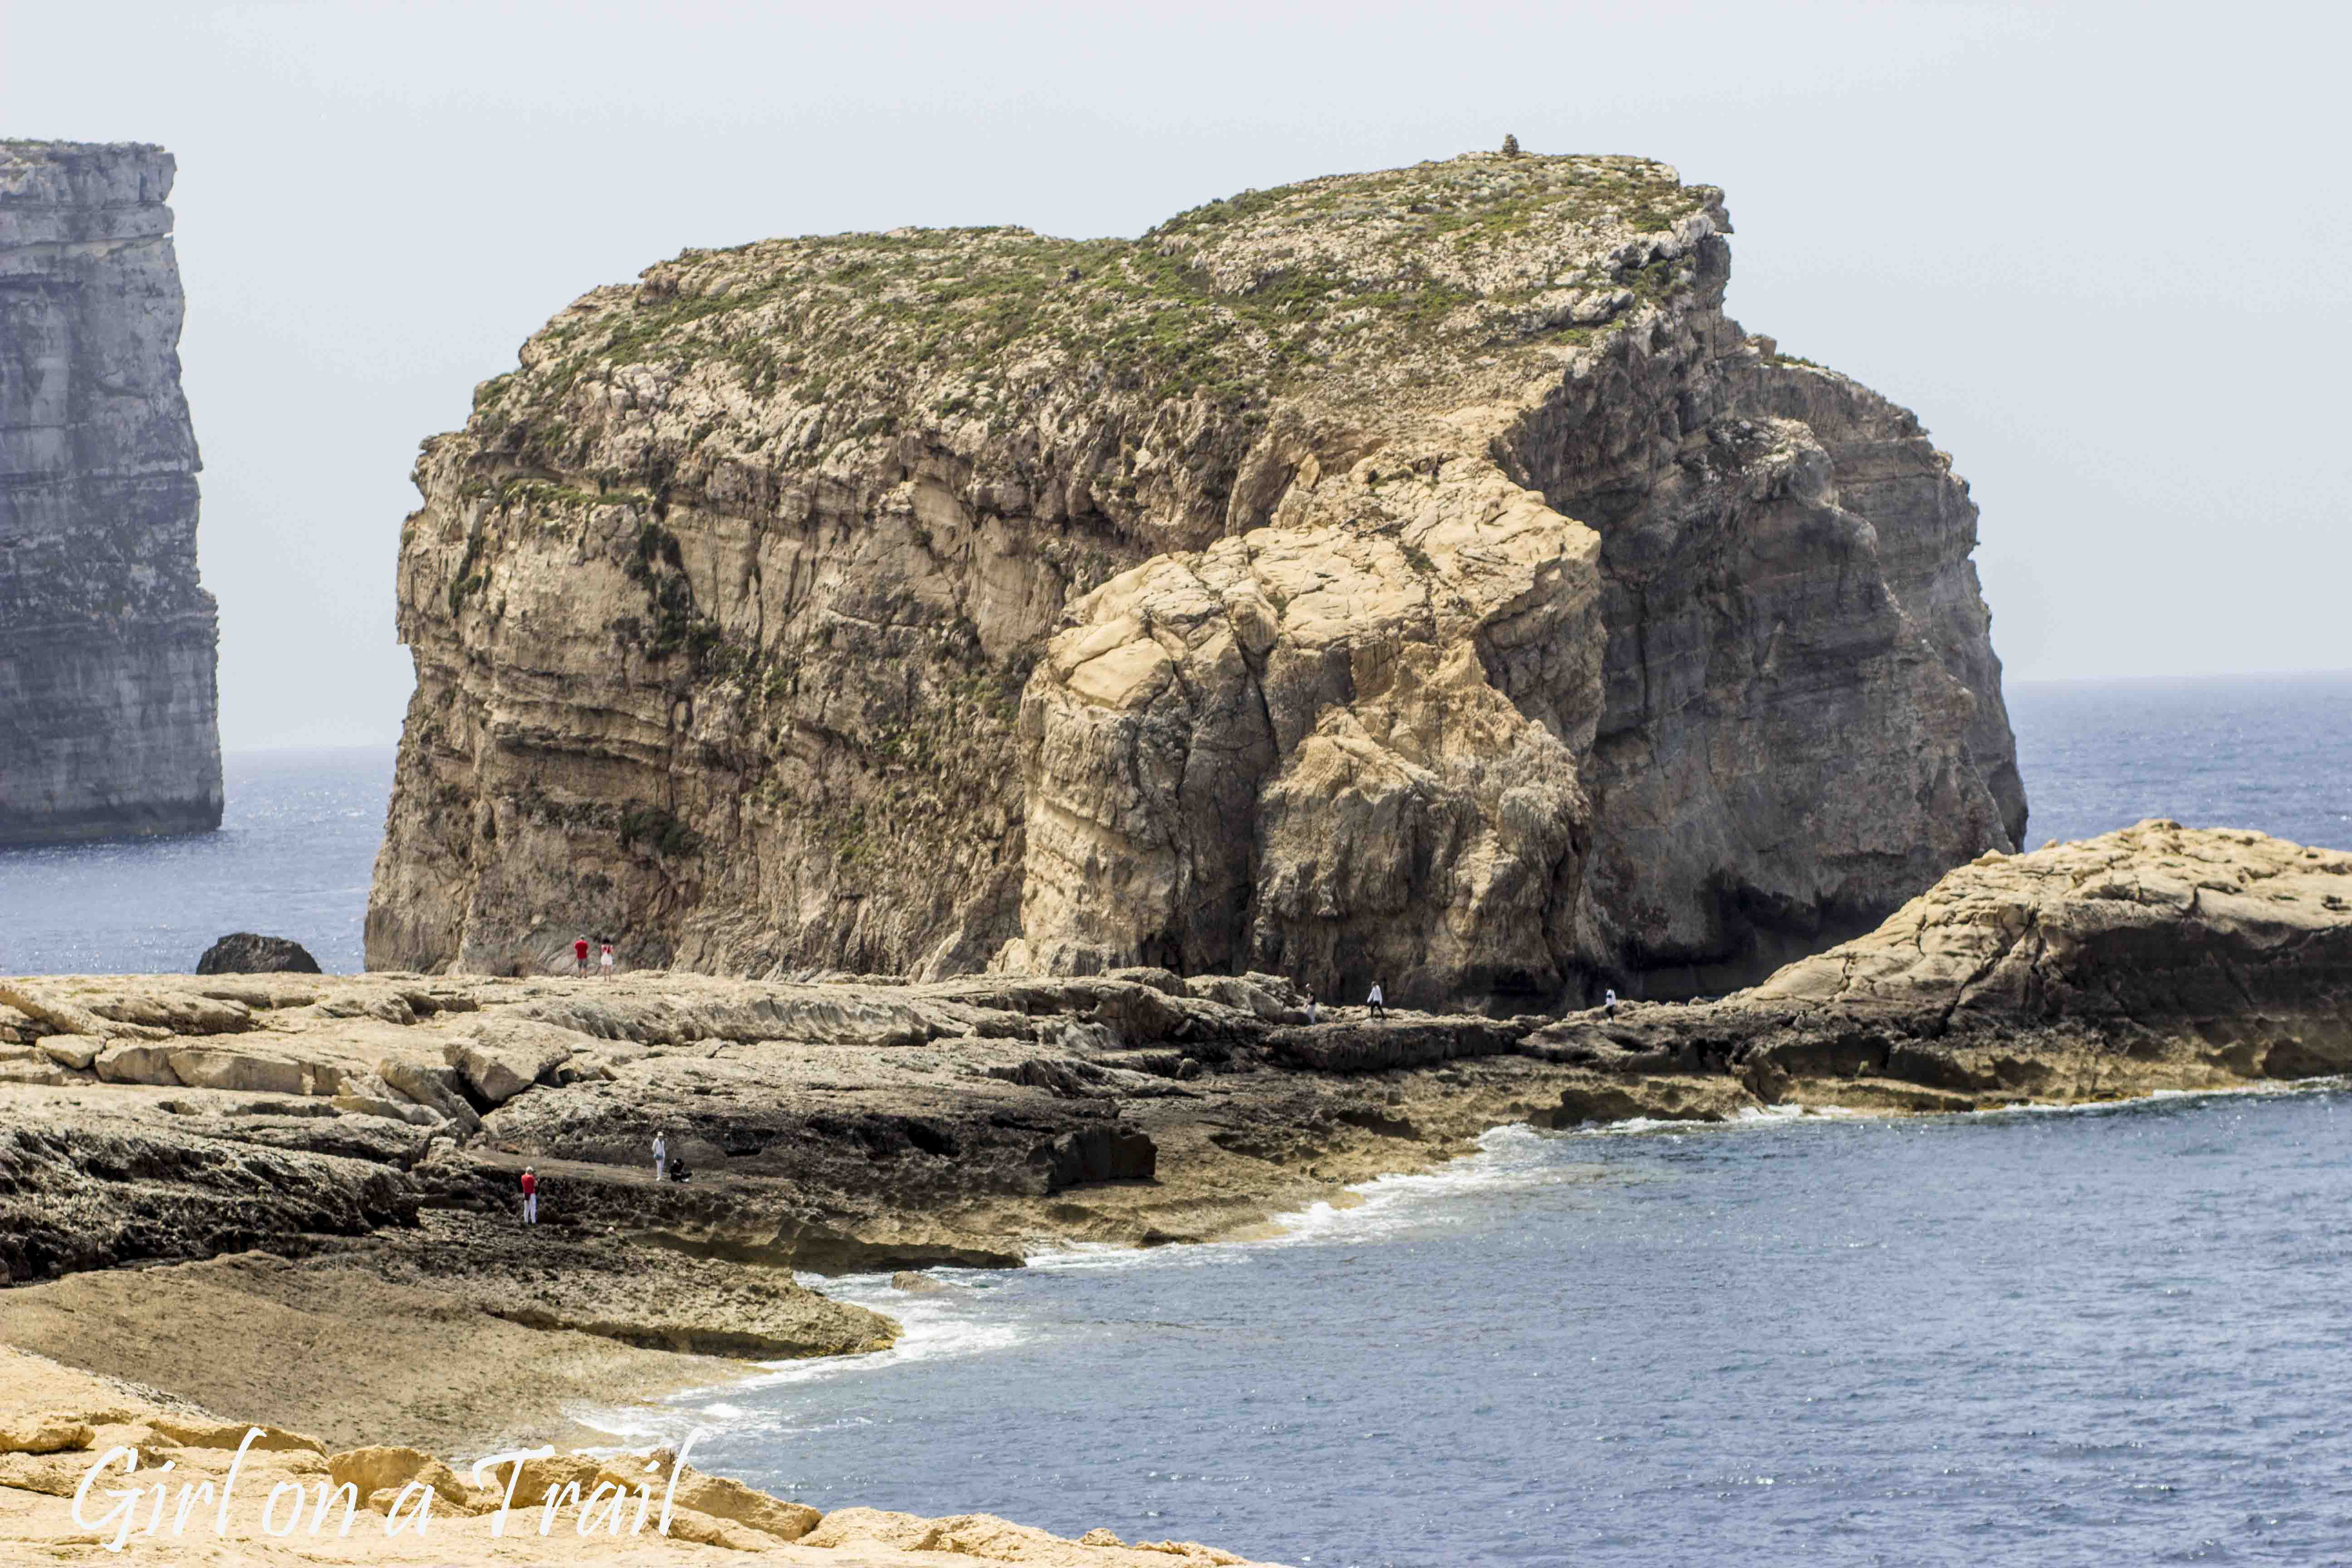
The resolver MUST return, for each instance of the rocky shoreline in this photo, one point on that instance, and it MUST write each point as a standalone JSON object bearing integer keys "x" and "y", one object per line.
{"x": 179, "y": 1154}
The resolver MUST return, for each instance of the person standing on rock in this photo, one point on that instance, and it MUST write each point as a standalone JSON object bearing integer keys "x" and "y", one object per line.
{"x": 1378, "y": 1001}
{"x": 661, "y": 1155}
{"x": 529, "y": 1197}
{"x": 580, "y": 955}
{"x": 1609, "y": 1003}
{"x": 1311, "y": 1014}
{"x": 605, "y": 961}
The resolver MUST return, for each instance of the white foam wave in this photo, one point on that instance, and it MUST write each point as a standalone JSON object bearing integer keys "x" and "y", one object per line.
{"x": 934, "y": 1328}
{"x": 1510, "y": 1157}
{"x": 2269, "y": 1088}
{"x": 959, "y": 1321}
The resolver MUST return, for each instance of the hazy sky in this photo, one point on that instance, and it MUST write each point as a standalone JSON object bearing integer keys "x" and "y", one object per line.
{"x": 2100, "y": 248}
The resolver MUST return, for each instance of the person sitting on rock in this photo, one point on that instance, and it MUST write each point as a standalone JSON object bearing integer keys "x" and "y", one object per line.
{"x": 1378, "y": 1001}
{"x": 529, "y": 1197}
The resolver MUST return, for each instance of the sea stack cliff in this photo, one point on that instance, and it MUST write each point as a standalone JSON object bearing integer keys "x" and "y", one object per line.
{"x": 1410, "y": 575}
{"x": 106, "y": 639}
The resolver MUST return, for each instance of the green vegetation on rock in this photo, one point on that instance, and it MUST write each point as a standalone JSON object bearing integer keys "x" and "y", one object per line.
{"x": 1347, "y": 289}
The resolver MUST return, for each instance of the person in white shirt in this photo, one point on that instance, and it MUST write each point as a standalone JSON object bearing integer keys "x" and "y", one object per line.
{"x": 1608, "y": 1002}
{"x": 1376, "y": 1001}
{"x": 605, "y": 961}
{"x": 661, "y": 1155}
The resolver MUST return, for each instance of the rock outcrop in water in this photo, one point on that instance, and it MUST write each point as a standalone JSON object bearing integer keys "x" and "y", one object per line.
{"x": 107, "y": 640}
{"x": 2158, "y": 957}
{"x": 1412, "y": 574}
{"x": 250, "y": 953}
{"x": 872, "y": 1124}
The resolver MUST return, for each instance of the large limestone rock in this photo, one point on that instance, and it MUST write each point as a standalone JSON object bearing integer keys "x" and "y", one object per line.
{"x": 1410, "y": 576}
{"x": 2157, "y": 957}
{"x": 107, "y": 701}
{"x": 2157, "y": 926}
{"x": 500, "y": 1062}
{"x": 1332, "y": 687}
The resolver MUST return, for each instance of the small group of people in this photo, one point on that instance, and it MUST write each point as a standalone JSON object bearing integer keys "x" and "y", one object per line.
{"x": 666, "y": 1169}
{"x": 603, "y": 956}
{"x": 1377, "y": 1001}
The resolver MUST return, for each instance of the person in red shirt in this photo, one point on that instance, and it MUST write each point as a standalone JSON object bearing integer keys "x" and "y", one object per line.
{"x": 580, "y": 954}
{"x": 529, "y": 1197}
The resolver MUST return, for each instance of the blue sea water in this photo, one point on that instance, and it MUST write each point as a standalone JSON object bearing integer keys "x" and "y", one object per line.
{"x": 295, "y": 847}
{"x": 2267, "y": 753}
{"x": 2111, "y": 1335}
{"x": 298, "y": 844}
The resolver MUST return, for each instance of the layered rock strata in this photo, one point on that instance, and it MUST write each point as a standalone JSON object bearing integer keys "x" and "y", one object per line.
{"x": 106, "y": 639}
{"x": 869, "y": 1125}
{"x": 1412, "y": 575}
{"x": 2154, "y": 958}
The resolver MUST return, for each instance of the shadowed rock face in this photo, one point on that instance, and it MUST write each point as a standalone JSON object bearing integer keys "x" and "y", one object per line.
{"x": 107, "y": 700}
{"x": 250, "y": 953}
{"x": 1410, "y": 576}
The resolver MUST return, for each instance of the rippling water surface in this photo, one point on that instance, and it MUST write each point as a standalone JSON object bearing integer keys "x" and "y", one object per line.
{"x": 2088, "y": 1337}
{"x": 2272, "y": 754}
{"x": 295, "y": 850}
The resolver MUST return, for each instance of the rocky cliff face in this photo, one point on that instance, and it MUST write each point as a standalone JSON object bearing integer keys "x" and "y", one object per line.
{"x": 107, "y": 698}
{"x": 1412, "y": 575}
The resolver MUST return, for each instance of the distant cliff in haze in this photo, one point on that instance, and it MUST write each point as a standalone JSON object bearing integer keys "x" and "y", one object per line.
{"x": 106, "y": 639}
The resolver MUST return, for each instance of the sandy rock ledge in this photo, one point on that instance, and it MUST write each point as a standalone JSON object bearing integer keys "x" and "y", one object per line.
{"x": 58, "y": 1424}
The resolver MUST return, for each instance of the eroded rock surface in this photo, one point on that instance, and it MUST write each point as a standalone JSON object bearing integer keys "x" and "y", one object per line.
{"x": 2156, "y": 957}
{"x": 106, "y": 639}
{"x": 867, "y": 1124}
{"x": 250, "y": 953}
{"x": 328, "y": 1135}
{"x": 58, "y": 1423}
{"x": 1412, "y": 575}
